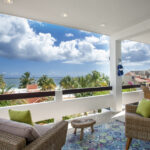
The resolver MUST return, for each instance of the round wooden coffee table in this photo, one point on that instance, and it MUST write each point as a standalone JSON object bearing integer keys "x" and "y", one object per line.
{"x": 82, "y": 123}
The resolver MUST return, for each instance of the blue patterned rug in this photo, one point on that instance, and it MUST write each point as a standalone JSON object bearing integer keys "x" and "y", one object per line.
{"x": 110, "y": 136}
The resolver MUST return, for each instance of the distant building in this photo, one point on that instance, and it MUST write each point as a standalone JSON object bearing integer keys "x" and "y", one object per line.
{"x": 137, "y": 77}
{"x": 129, "y": 78}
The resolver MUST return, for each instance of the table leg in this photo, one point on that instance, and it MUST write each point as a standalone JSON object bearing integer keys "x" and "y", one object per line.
{"x": 81, "y": 135}
{"x": 75, "y": 131}
{"x": 92, "y": 129}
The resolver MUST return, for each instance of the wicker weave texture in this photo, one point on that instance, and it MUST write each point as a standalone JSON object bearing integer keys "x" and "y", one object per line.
{"x": 131, "y": 108}
{"x": 11, "y": 142}
{"x": 136, "y": 126}
{"x": 54, "y": 139}
{"x": 146, "y": 92}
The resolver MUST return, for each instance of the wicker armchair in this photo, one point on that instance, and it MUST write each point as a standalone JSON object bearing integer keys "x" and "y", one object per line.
{"x": 54, "y": 139}
{"x": 136, "y": 126}
{"x": 146, "y": 91}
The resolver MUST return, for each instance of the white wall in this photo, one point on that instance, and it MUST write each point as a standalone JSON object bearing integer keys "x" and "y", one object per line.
{"x": 131, "y": 97}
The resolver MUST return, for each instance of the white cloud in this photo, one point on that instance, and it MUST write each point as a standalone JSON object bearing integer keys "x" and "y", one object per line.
{"x": 72, "y": 62}
{"x": 19, "y": 40}
{"x": 101, "y": 40}
{"x": 86, "y": 32}
{"x": 69, "y": 35}
{"x": 135, "y": 54}
{"x": 92, "y": 39}
{"x": 86, "y": 52}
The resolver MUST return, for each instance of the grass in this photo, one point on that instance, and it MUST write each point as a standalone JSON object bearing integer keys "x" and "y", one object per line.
{"x": 45, "y": 121}
{"x": 129, "y": 90}
{"x": 101, "y": 93}
{"x": 78, "y": 115}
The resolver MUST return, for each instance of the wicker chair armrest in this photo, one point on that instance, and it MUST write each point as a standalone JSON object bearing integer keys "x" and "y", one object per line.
{"x": 137, "y": 126}
{"x": 131, "y": 108}
{"x": 54, "y": 139}
{"x": 11, "y": 142}
{"x": 137, "y": 120}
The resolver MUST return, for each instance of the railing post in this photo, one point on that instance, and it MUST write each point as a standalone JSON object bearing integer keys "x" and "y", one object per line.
{"x": 58, "y": 96}
{"x": 58, "y": 99}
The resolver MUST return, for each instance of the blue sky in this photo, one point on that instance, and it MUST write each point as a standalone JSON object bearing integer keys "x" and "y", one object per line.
{"x": 43, "y": 48}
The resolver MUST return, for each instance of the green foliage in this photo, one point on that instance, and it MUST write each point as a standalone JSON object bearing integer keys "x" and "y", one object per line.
{"x": 26, "y": 79}
{"x": 5, "y": 103}
{"x": 46, "y": 83}
{"x": 99, "y": 110}
{"x": 45, "y": 121}
{"x": 18, "y": 102}
{"x": 68, "y": 82}
{"x": 66, "y": 117}
{"x": 85, "y": 113}
{"x": 101, "y": 93}
{"x": 129, "y": 90}
{"x": 3, "y": 87}
{"x": 2, "y": 82}
{"x": 12, "y": 102}
{"x": 71, "y": 116}
{"x": 94, "y": 79}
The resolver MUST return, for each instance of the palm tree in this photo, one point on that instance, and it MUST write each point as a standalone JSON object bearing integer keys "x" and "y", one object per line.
{"x": 67, "y": 82}
{"x": 4, "y": 89}
{"x": 46, "y": 83}
{"x": 82, "y": 81}
{"x": 106, "y": 79}
{"x": 26, "y": 79}
{"x": 2, "y": 82}
{"x": 96, "y": 79}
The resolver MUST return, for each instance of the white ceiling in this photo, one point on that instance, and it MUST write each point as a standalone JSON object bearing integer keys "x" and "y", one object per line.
{"x": 85, "y": 14}
{"x": 144, "y": 38}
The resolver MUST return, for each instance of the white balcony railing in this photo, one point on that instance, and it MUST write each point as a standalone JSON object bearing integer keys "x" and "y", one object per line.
{"x": 58, "y": 108}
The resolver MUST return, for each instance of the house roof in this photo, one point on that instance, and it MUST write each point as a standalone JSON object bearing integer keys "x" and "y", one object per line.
{"x": 108, "y": 17}
{"x": 140, "y": 80}
{"x": 130, "y": 74}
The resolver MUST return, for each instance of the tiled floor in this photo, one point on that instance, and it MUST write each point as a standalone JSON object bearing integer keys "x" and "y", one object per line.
{"x": 102, "y": 118}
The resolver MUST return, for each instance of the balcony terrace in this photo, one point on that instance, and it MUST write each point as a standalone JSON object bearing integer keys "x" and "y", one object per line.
{"x": 59, "y": 107}
{"x": 119, "y": 19}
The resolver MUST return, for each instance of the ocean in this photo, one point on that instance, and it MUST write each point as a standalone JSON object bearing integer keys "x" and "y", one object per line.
{"x": 16, "y": 81}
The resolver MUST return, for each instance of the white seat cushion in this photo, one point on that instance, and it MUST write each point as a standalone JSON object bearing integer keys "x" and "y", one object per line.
{"x": 42, "y": 129}
{"x": 20, "y": 129}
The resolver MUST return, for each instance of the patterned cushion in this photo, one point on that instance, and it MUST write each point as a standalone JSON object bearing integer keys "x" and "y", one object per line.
{"x": 20, "y": 129}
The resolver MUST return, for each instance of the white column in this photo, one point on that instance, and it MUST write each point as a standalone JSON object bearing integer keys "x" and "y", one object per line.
{"x": 115, "y": 80}
{"x": 58, "y": 99}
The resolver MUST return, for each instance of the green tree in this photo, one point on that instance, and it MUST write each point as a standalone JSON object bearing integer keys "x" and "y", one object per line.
{"x": 68, "y": 82}
{"x": 46, "y": 83}
{"x": 26, "y": 79}
{"x": 4, "y": 89}
{"x": 96, "y": 79}
{"x": 93, "y": 79}
{"x": 2, "y": 82}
